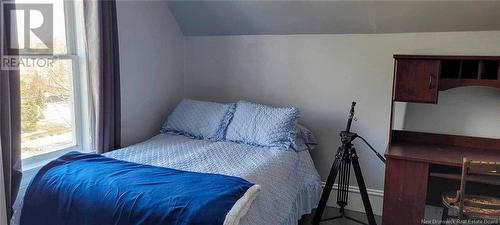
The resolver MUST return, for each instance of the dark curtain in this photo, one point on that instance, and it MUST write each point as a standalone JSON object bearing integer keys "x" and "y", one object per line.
{"x": 10, "y": 127}
{"x": 104, "y": 72}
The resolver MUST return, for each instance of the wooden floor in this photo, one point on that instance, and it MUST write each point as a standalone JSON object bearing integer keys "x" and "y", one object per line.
{"x": 331, "y": 212}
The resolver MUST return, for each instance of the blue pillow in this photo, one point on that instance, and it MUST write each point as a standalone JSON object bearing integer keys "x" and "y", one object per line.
{"x": 199, "y": 119}
{"x": 263, "y": 125}
{"x": 304, "y": 139}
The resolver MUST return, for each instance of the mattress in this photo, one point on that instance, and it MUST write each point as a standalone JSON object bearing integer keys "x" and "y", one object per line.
{"x": 290, "y": 184}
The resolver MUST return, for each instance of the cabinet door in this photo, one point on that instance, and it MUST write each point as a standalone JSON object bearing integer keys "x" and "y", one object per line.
{"x": 405, "y": 192}
{"x": 416, "y": 80}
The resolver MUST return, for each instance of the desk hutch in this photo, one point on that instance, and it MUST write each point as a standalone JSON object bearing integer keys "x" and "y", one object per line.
{"x": 416, "y": 159}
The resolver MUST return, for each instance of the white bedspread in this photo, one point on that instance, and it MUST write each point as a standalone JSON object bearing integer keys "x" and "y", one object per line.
{"x": 290, "y": 185}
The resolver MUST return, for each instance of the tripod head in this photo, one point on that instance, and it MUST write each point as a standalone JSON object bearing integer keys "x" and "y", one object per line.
{"x": 351, "y": 116}
{"x": 347, "y": 136}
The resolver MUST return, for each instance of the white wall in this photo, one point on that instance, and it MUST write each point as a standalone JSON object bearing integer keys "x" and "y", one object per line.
{"x": 470, "y": 111}
{"x": 151, "y": 67}
{"x": 321, "y": 74}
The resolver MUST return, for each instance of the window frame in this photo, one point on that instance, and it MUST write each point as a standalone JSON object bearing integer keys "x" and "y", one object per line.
{"x": 75, "y": 52}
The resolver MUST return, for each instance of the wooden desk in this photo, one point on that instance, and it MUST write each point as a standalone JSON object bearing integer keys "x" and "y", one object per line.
{"x": 409, "y": 158}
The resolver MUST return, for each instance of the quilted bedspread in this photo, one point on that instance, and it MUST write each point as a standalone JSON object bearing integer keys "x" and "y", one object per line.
{"x": 91, "y": 189}
{"x": 290, "y": 184}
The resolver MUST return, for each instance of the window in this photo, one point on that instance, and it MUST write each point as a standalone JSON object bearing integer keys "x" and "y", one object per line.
{"x": 52, "y": 103}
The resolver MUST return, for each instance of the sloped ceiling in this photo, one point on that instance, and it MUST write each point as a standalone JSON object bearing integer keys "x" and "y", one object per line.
{"x": 333, "y": 17}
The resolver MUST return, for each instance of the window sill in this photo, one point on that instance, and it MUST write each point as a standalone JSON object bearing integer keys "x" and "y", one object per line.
{"x": 38, "y": 161}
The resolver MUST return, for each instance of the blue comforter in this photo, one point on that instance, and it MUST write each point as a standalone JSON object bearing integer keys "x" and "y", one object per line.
{"x": 93, "y": 189}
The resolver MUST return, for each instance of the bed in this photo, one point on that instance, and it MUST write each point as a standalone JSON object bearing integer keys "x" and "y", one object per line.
{"x": 289, "y": 183}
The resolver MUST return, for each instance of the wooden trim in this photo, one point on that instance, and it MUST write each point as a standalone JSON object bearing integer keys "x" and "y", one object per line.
{"x": 413, "y": 101}
{"x": 460, "y": 69}
{"x": 391, "y": 120}
{"x": 498, "y": 72}
{"x": 480, "y": 70}
{"x": 444, "y": 57}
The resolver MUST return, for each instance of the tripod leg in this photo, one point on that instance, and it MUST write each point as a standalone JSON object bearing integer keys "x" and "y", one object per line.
{"x": 328, "y": 187}
{"x": 343, "y": 183}
{"x": 362, "y": 190}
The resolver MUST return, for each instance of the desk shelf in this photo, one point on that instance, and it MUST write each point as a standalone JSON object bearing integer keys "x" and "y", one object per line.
{"x": 441, "y": 149}
{"x": 445, "y": 84}
{"x": 470, "y": 69}
{"x": 470, "y": 178}
{"x": 439, "y": 154}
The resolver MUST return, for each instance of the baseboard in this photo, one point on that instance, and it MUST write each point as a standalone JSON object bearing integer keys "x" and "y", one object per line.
{"x": 354, "y": 201}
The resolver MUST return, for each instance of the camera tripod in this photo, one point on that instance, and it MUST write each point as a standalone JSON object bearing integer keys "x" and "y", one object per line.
{"x": 346, "y": 155}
